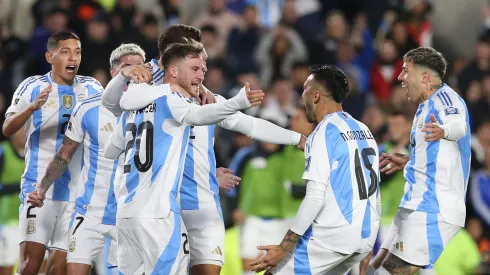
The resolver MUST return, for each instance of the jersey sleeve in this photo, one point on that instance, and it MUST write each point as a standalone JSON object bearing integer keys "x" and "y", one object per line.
{"x": 452, "y": 114}
{"x": 22, "y": 96}
{"x": 179, "y": 106}
{"x": 230, "y": 121}
{"x": 94, "y": 86}
{"x": 317, "y": 166}
{"x": 75, "y": 130}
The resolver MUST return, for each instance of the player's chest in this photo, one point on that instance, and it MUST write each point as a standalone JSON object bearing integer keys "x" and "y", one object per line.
{"x": 417, "y": 140}
{"x": 99, "y": 130}
{"x": 201, "y": 135}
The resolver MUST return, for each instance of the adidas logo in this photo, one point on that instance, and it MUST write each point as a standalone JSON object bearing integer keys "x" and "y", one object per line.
{"x": 107, "y": 128}
{"x": 217, "y": 250}
{"x": 399, "y": 246}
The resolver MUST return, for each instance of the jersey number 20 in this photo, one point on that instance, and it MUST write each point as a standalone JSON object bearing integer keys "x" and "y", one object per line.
{"x": 361, "y": 184}
{"x": 136, "y": 133}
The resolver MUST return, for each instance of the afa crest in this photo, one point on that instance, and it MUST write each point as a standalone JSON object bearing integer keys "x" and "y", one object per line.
{"x": 31, "y": 227}
{"x": 67, "y": 101}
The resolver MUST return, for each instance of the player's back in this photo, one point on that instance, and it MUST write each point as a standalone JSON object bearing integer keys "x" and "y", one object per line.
{"x": 349, "y": 221}
{"x": 155, "y": 151}
{"x": 91, "y": 125}
{"x": 45, "y": 130}
{"x": 437, "y": 173}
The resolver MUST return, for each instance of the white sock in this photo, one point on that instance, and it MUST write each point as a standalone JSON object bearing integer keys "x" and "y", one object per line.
{"x": 427, "y": 272}
{"x": 382, "y": 271}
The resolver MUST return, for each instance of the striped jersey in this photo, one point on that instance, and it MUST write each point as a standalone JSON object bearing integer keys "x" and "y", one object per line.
{"x": 92, "y": 124}
{"x": 342, "y": 154}
{"x": 156, "y": 143}
{"x": 437, "y": 173}
{"x": 200, "y": 188}
{"x": 117, "y": 138}
{"x": 45, "y": 130}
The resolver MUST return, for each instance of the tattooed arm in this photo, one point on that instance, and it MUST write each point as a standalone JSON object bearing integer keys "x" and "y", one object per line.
{"x": 289, "y": 242}
{"x": 55, "y": 169}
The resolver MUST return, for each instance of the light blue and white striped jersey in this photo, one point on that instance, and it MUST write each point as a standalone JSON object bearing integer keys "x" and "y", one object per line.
{"x": 342, "y": 154}
{"x": 92, "y": 124}
{"x": 200, "y": 188}
{"x": 156, "y": 144}
{"x": 45, "y": 130}
{"x": 437, "y": 173}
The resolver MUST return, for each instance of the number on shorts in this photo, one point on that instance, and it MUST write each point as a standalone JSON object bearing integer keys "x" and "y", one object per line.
{"x": 29, "y": 215}
{"x": 186, "y": 242}
{"x": 361, "y": 184}
{"x": 80, "y": 220}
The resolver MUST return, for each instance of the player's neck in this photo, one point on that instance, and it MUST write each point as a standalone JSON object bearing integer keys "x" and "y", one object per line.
{"x": 60, "y": 81}
{"x": 328, "y": 108}
{"x": 172, "y": 81}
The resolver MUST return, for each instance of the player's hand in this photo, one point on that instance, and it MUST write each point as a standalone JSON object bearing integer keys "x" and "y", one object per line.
{"x": 255, "y": 97}
{"x": 137, "y": 73}
{"x": 275, "y": 254}
{"x": 41, "y": 98}
{"x": 434, "y": 131}
{"x": 392, "y": 162}
{"x": 302, "y": 143}
{"x": 36, "y": 198}
{"x": 205, "y": 96}
{"x": 226, "y": 179}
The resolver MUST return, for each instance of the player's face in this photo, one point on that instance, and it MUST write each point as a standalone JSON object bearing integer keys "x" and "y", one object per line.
{"x": 308, "y": 94}
{"x": 191, "y": 74}
{"x": 125, "y": 61}
{"x": 411, "y": 81}
{"x": 66, "y": 59}
{"x": 300, "y": 124}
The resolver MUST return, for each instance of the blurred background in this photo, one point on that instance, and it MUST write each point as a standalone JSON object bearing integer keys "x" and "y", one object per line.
{"x": 270, "y": 44}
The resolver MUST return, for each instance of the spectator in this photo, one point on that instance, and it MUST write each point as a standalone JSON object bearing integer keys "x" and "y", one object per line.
{"x": 385, "y": 70}
{"x": 145, "y": 35}
{"x": 478, "y": 67}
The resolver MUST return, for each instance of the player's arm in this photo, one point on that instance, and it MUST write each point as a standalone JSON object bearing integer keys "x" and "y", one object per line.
{"x": 74, "y": 135}
{"x": 451, "y": 122}
{"x": 21, "y": 110}
{"x": 115, "y": 88}
{"x": 114, "y": 147}
{"x": 259, "y": 129}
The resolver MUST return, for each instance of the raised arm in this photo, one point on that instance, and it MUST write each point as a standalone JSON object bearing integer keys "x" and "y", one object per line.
{"x": 21, "y": 110}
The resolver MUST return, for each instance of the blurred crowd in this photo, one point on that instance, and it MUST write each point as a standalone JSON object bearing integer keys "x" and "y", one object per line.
{"x": 270, "y": 44}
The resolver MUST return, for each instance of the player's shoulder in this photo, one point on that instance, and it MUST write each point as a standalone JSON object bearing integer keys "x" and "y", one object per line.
{"x": 87, "y": 81}
{"x": 32, "y": 82}
{"x": 87, "y": 104}
{"x": 446, "y": 98}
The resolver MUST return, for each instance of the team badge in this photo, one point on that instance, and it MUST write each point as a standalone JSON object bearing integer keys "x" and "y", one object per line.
{"x": 73, "y": 245}
{"x": 421, "y": 122}
{"x": 67, "y": 101}
{"x": 16, "y": 101}
{"x": 31, "y": 227}
{"x": 451, "y": 111}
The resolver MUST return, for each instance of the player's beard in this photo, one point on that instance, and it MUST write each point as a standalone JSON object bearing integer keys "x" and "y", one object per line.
{"x": 310, "y": 115}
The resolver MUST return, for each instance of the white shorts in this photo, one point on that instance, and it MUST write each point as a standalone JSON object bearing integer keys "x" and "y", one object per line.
{"x": 9, "y": 245}
{"x": 161, "y": 245}
{"x": 311, "y": 258}
{"x": 206, "y": 232}
{"x": 257, "y": 231}
{"x": 419, "y": 238}
{"x": 48, "y": 224}
{"x": 87, "y": 239}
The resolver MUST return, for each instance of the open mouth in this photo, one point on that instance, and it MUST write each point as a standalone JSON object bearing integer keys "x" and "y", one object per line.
{"x": 71, "y": 69}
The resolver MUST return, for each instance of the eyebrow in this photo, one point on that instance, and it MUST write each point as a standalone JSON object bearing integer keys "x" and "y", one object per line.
{"x": 68, "y": 48}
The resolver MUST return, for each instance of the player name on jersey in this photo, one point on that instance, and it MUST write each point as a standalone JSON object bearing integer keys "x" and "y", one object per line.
{"x": 357, "y": 135}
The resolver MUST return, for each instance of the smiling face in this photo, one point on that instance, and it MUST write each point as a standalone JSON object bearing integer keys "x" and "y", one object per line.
{"x": 190, "y": 73}
{"x": 411, "y": 79}
{"x": 65, "y": 59}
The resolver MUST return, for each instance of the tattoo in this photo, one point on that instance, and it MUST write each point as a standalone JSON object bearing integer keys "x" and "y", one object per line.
{"x": 423, "y": 97}
{"x": 396, "y": 266}
{"x": 60, "y": 162}
{"x": 289, "y": 242}
{"x": 405, "y": 157}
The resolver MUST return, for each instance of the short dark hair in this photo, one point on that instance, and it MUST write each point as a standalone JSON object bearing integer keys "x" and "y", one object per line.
{"x": 180, "y": 51}
{"x": 54, "y": 40}
{"x": 427, "y": 57}
{"x": 334, "y": 80}
{"x": 176, "y": 34}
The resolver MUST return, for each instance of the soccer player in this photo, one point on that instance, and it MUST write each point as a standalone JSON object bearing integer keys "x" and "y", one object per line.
{"x": 201, "y": 209}
{"x": 150, "y": 228}
{"x": 43, "y": 105}
{"x": 338, "y": 221}
{"x": 95, "y": 217}
{"x": 432, "y": 211}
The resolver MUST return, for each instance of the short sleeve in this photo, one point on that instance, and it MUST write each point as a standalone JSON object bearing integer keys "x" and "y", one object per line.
{"x": 22, "y": 96}
{"x": 317, "y": 166}
{"x": 179, "y": 106}
{"x": 75, "y": 130}
{"x": 117, "y": 137}
{"x": 450, "y": 107}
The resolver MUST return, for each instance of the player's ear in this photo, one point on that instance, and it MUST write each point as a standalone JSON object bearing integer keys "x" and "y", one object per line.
{"x": 49, "y": 57}
{"x": 113, "y": 72}
{"x": 172, "y": 69}
{"x": 425, "y": 77}
{"x": 316, "y": 96}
